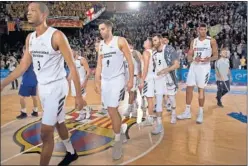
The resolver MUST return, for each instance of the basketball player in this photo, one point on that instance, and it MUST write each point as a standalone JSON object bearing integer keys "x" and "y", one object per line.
{"x": 201, "y": 50}
{"x": 47, "y": 48}
{"x": 28, "y": 88}
{"x": 147, "y": 80}
{"x": 132, "y": 106}
{"x": 167, "y": 61}
{"x": 103, "y": 110}
{"x": 84, "y": 73}
{"x": 166, "y": 41}
{"x": 110, "y": 76}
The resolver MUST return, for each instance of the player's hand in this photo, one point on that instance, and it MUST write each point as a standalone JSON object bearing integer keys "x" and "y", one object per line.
{"x": 97, "y": 88}
{"x": 205, "y": 60}
{"x": 2, "y": 86}
{"x": 197, "y": 59}
{"x": 83, "y": 86}
{"x": 129, "y": 85}
{"x": 162, "y": 72}
{"x": 141, "y": 85}
{"x": 79, "y": 102}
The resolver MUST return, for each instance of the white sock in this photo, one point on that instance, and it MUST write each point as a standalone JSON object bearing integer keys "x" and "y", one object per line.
{"x": 188, "y": 108}
{"x": 117, "y": 137}
{"x": 173, "y": 111}
{"x": 159, "y": 120}
{"x": 35, "y": 109}
{"x": 24, "y": 110}
{"x": 68, "y": 146}
{"x": 201, "y": 110}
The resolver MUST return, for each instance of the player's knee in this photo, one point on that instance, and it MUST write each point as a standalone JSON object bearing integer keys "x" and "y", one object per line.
{"x": 189, "y": 89}
{"x": 201, "y": 93}
{"x": 22, "y": 97}
{"x": 46, "y": 133}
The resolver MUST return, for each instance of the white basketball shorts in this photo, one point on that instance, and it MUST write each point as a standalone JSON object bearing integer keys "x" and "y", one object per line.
{"x": 53, "y": 97}
{"x": 148, "y": 90}
{"x": 113, "y": 91}
{"x": 170, "y": 90}
{"x": 73, "y": 90}
{"x": 160, "y": 86}
{"x": 198, "y": 75}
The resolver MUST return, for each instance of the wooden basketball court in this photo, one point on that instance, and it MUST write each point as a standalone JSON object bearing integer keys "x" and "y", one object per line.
{"x": 221, "y": 139}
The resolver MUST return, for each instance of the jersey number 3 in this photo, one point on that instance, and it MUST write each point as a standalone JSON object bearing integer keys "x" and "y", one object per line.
{"x": 108, "y": 63}
{"x": 38, "y": 65}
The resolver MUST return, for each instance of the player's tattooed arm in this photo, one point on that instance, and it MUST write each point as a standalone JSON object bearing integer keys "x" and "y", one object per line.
{"x": 21, "y": 68}
{"x": 146, "y": 59}
{"x": 175, "y": 62}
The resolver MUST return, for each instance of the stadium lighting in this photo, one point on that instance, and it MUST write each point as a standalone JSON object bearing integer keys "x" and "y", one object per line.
{"x": 134, "y": 5}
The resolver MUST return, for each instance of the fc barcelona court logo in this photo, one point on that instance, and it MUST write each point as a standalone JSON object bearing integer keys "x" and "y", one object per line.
{"x": 89, "y": 137}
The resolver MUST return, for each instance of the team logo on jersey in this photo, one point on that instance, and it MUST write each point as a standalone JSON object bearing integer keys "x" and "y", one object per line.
{"x": 92, "y": 136}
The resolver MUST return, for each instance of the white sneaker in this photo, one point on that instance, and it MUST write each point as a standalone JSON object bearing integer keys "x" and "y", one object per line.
{"x": 83, "y": 115}
{"x": 173, "y": 118}
{"x": 199, "y": 119}
{"x": 148, "y": 121}
{"x": 157, "y": 129}
{"x": 184, "y": 115}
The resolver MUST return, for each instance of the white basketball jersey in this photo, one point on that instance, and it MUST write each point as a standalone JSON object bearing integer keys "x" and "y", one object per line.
{"x": 113, "y": 59}
{"x": 203, "y": 48}
{"x": 150, "y": 73}
{"x": 135, "y": 65}
{"x": 48, "y": 63}
{"x": 80, "y": 68}
{"x": 160, "y": 63}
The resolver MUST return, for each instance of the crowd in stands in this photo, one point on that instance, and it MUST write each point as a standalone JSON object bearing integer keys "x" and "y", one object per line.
{"x": 18, "y": 10}
{"x": 177, "y": 22}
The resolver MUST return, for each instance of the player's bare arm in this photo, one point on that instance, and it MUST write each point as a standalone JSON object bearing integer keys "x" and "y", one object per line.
{"x": 123, "y": 45}
{"x": 146, "y": 58}
{"x": 87, "y": 69}
{"x": 60, "y": 42}
{"x": 21, "y": 68}
{"x": 139, "y": 60}
{"x": 98, "y": 73}
{"x": 191, "y": 53}
{"x": 176, "y": 65}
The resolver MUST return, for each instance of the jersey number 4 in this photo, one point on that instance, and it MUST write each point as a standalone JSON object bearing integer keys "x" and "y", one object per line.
{"x": 108, "y": 63}
{"x": 38, "y": 65}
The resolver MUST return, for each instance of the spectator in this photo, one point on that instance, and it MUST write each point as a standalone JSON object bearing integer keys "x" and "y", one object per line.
{"x": 243, "y": 62}
{"x": 235, "y": 61}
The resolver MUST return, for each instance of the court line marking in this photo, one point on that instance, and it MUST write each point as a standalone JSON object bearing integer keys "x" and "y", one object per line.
{"x": 10, "y": 158}
{"x": 146, "y": 152}
{"x": 8, "y": 123}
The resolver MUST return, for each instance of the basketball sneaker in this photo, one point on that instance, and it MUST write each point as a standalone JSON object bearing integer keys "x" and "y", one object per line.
{"x": 83, "y": 115}
{"x": 117, "y": 149}
{"x": 185, "y": 115}
{"x": 23, "y": 115}
{"x": 199, "y": 119}
{"x": 69, "y": 158}
{"x": 34, "y": 114}
{"x": 157, "y": 129}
